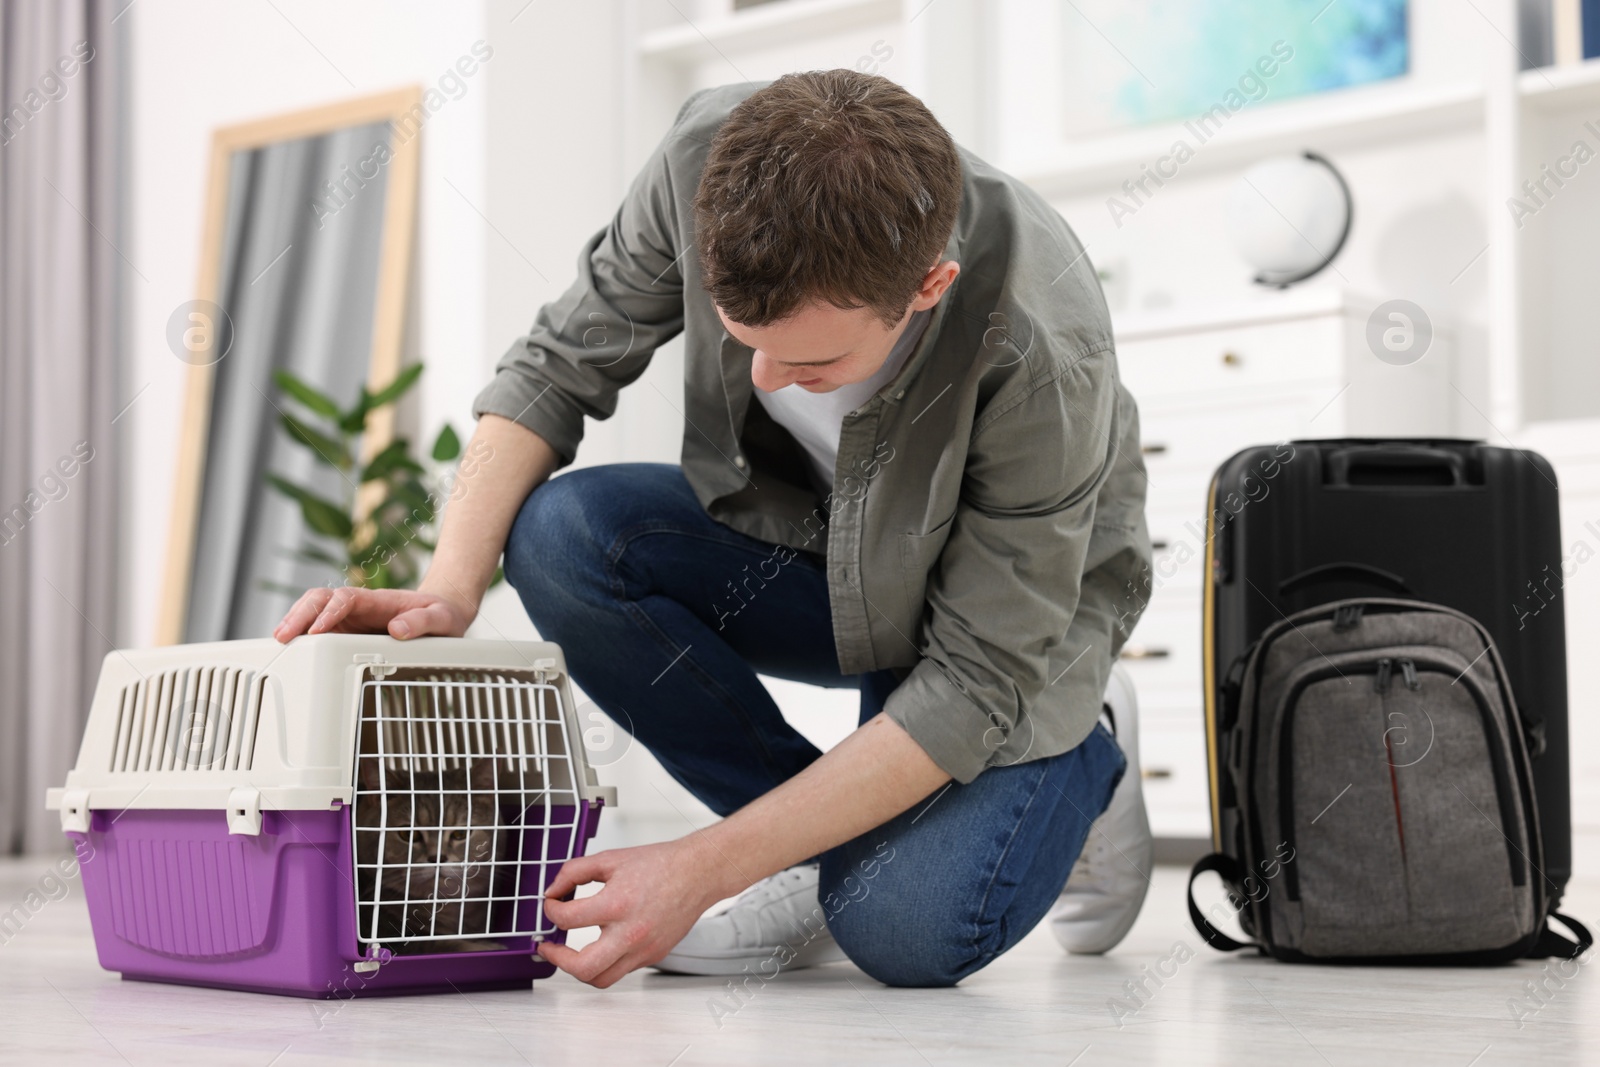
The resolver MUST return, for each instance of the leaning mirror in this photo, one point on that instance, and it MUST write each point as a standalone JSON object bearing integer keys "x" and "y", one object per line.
{"x": 303, "y": 269}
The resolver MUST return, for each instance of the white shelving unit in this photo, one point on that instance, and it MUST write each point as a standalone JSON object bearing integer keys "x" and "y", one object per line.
{"x": 1552, "y": 89}
{"x": 767, "y": 26}
{"x": 1354, "y": 117}
{"x": 1433, "y": 159}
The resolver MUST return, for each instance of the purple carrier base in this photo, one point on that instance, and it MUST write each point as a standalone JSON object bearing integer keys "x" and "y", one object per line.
{"x": 173, "y": 897}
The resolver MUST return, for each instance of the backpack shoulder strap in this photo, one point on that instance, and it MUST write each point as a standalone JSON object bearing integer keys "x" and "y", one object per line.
{"x": 1232, "y": 874}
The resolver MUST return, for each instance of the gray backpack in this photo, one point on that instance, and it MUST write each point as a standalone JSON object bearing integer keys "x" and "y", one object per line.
{"x": 1376, "y": 794}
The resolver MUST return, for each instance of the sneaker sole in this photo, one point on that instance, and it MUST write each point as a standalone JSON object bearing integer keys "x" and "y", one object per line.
{"x": 721, "y": 966}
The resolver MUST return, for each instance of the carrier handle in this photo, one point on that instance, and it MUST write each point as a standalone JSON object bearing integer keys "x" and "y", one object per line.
{"x": 1344, "y": 462}
{"x": 1332, "y": 572}
{"x": 1232, "y": 874}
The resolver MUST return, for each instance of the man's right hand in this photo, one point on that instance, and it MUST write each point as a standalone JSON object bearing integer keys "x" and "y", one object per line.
{"x": 402, "y": 613}
{"x": 508, "y": 462}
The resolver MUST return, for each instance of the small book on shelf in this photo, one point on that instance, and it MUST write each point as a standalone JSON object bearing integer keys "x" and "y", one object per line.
{"x": 1575, "y": 30}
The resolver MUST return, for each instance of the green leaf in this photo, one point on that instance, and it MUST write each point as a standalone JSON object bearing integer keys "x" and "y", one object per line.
{"x": 313, "y": 399}
{"x": 326, "y": 518}
{"x": 287, "y": 488}
{"x": 355, "y": 420}
{"x": 381, "y": 578}
{"x": 447, "y": 446}
{"x": 412, "y": 497}
{"x": 323, "y": 516}
{"x": 394, "y": 457}
{"x": 327, "y": 449}
{"x": 395, "y": 389}
{"x": 499, "y": 576}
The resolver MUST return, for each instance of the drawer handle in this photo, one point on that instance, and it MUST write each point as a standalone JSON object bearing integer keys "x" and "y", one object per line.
{"x": 1144, "y": 652}
{"x": 1156, "y": 772}
{"x": 1153, "y": 449}
{"x": 1232, "y": 359}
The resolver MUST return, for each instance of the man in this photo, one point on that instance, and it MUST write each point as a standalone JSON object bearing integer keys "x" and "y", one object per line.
{"x": 936, "y": 496}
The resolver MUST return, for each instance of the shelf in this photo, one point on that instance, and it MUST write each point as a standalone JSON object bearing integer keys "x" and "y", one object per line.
{"x": 1559, "y": 88}
{"x": 1308, "y": 301}
{"x": 1349, "y": 118}
{"x": 763, "y": 27}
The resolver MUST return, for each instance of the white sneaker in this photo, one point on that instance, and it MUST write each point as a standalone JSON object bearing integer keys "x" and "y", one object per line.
{"x": 777, "y": 918}
{"x": 1107, "y": 885}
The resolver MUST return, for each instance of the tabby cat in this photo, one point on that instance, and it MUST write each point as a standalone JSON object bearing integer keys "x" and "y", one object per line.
{"x": 451, "y": 853}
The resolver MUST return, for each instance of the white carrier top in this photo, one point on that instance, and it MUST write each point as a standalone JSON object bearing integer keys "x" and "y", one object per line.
{"x": 250, "y": 726}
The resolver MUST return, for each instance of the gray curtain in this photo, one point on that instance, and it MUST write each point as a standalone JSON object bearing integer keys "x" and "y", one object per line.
{"x": 299, "y": 280}
{"x": 59, "y": 393}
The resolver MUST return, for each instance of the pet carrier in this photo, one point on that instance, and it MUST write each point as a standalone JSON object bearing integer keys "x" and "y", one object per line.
{"x": 344, "y": 815}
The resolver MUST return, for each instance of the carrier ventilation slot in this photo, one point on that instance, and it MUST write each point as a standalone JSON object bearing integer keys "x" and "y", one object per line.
{"x": 189, "y": 719}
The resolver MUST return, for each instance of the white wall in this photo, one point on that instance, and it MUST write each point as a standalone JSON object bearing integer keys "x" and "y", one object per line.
{"x": 195, "y": 66}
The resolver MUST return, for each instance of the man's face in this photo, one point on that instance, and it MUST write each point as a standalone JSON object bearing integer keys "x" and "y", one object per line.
{"x": 823, "y": 347}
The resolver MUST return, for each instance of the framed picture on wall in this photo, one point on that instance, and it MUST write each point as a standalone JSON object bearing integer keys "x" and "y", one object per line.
{"x": 1127, "y": 64}
{"x": 1124, "y": 65}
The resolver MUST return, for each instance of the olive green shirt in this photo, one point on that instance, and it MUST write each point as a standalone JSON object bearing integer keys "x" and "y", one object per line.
{"x": 986, "y": 528}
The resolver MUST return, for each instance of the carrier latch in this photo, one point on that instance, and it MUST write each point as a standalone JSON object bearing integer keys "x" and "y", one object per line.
{"x": 244, "y": 811}
{"x": 74, "y": 811}
{"x": 376, "y": 665}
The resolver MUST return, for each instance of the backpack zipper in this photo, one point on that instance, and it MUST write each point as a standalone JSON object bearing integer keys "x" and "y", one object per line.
{"x": 1408, "y": 668}
{"x": 1383, "y": 667}
{"x": 1248, "y": 730}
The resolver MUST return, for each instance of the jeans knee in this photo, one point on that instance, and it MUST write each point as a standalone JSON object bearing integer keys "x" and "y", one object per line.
{"x": 894, "y": 951}
{"x": 548, "y": 535}
{"x": 899, "y": 938}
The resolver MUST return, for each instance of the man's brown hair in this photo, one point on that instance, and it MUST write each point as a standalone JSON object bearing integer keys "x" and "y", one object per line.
{"x": 831, "y": 185}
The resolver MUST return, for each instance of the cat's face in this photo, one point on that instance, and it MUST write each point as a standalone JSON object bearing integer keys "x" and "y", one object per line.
{"x": 439, "y": 842}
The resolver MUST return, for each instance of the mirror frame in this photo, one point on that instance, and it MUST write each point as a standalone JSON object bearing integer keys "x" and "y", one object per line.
{"x": 388, "y": 316}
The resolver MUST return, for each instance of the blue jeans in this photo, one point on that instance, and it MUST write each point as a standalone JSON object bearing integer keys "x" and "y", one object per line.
{"x": 666, "y": 617}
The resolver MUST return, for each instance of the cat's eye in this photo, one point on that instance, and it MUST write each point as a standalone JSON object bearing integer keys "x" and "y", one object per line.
{"x": 457, "y": 836}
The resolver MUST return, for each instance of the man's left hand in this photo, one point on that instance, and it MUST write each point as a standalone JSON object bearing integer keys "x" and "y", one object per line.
{"x": 652, "y": 896}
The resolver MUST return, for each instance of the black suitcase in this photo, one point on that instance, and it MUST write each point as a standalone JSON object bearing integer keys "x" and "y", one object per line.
{"x": 1455, "y": 522}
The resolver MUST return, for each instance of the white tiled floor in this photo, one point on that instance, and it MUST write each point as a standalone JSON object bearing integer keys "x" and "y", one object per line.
{"x": 1034, "y": 1006}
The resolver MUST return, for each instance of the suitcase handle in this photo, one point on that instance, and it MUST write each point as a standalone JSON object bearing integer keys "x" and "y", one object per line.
{"x": 1395, "y": 465}
{"x": 1334, "y": 572}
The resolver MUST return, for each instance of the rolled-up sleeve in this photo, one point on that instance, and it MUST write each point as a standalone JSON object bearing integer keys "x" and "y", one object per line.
{"x": 600, "y": 334}
{"x": 1022, "y": 619}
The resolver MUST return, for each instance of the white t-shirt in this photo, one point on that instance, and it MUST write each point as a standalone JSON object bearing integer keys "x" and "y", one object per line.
{"x": 815, "y": 419}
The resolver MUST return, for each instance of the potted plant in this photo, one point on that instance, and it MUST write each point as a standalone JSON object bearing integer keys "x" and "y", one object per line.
{"x": 378, "y": 534}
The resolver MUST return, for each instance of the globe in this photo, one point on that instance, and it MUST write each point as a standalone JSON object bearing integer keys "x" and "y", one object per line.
{"x": 1288, "y": 218}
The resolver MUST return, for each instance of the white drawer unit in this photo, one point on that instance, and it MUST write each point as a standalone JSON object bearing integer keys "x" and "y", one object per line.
{"x": 1164, "y": 651}
{"x": 1175, "y": 791}
{"x": 1186, "y": 363}
{"x": 1210, "y": 382}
